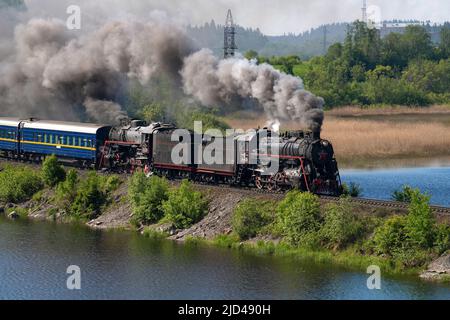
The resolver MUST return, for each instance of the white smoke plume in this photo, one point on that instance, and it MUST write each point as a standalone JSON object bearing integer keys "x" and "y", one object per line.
{"x": 283, "y": 96}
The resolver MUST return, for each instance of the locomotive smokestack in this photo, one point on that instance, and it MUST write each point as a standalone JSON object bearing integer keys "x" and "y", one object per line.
{"x": 316, "y": 135}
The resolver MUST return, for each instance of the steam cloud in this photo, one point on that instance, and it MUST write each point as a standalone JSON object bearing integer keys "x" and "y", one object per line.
{"x": 54, "y": 74}
{"x": 283, "y": 97}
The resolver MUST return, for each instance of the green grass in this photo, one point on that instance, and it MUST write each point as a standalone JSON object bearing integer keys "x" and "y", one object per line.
{"x": 154, "y": 234}
{"x": 349, "y": 258}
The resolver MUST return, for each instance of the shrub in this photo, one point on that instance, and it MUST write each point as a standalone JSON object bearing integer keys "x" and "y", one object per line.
{"x": 391, "y": 237}
{"x": 410, "y": 239}
{"x": 18, "y": 184}
{"x": 67, "y": 190}
{"x": 52, "y": 171}
{"x": 420, "y": 224}
{"x": 184, "y": 206}
{"x": 89, "y": 198}
{"x": 250, "y": 216}
{"x": 84, "y": 199}
{"x": 147, "y": 196}
{"x": 353, "y": 190}
{"x": 341, "y": 226}
{"x": 403, "y": 195}
{"x": 299, "y": 218}
{"x": 442, "y": 242}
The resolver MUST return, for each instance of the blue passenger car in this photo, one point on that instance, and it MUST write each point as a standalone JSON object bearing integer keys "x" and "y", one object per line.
{"x": 78, "y": 141}
{"x": 9, "y": 133}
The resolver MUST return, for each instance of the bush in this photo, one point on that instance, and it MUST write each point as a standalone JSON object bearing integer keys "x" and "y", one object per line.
{"x": 90, "y": 197}
{"x": 420, "y": 224}
{"x": 67, "y": 190}
{"x": 84, "y": 199}
{"x": 52, "y": 172}
{"x": 403, "y": 195}
{"x": 341, "y": 226}
{"x": 391, "y": 237}
{"x": 353, "y": 190}
{"x": 250, "y": 216}
{"x": 147, "y": 196}
{"x": 299, "y": 218}
{"x": 184, "y": 206}
{"x": 19, "y": 184}
{"x": 442, "y": 242}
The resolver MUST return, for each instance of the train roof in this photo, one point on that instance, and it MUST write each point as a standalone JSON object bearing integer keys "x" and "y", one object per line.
{"x": 9, "y": 122}
{"x": 64, "y": 126}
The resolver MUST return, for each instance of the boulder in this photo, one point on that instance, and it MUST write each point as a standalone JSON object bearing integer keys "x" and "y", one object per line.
{"x": 441, "y": 265}
{"x": 438, "y": 269}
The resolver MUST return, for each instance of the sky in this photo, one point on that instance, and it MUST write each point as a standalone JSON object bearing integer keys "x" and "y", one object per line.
{"x": 273, "y": 17}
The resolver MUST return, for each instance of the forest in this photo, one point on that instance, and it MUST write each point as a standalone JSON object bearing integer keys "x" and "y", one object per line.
{"x": 366, "y": 69}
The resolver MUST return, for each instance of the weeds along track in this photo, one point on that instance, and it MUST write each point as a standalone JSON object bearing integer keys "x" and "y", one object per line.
{"x": 279, "y": 195}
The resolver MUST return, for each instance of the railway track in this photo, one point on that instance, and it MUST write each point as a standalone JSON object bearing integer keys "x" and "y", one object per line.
{"x": 443, "y": 211}
{"x": 389, "y": 204}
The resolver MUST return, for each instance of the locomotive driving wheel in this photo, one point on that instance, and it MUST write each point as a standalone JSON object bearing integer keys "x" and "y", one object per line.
{"x": 259, "y": 183}
{"x": 272, "y": 184}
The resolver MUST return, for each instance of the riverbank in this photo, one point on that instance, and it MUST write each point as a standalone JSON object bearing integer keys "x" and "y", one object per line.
{"x": 297, "y": 224}
{"x": 216, "y": 228}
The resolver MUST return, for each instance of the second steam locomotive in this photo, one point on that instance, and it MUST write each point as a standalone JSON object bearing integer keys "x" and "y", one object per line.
{"x": 257, "y": 158}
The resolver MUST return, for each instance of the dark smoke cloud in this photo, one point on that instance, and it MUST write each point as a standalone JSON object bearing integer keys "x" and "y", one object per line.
{"x": 55, "y": 75}
{"x": 58, "y": 74}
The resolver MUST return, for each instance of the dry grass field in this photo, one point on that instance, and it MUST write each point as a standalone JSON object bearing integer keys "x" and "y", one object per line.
{"x": 377, "y": 137}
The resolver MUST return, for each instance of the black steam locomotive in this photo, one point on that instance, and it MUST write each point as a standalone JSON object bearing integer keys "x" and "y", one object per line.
{"x": 257, "y": 158}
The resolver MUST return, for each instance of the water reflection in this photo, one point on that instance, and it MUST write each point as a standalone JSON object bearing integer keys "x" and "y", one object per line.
{"x": 123, "y": 265}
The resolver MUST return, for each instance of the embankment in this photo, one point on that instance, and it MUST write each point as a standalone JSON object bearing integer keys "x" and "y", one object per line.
{"x": 216, "y": 226}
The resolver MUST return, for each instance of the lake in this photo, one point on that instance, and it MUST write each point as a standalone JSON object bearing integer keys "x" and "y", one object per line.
{"x": 381, "y": 183}
{"x": 34, "y": 257}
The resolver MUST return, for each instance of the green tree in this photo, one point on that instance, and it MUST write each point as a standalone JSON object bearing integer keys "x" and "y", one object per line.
{"x": 417, "y": 43}
{"x": 184, "y": 206}
{"x": 52, "y": 172}
{"x": 444, "y": 47}
{"x": 153, "y": 113}
{"x": 429, "y": 76}
{"x": 251, "y": 54}
{"x": 420, "y": 224}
